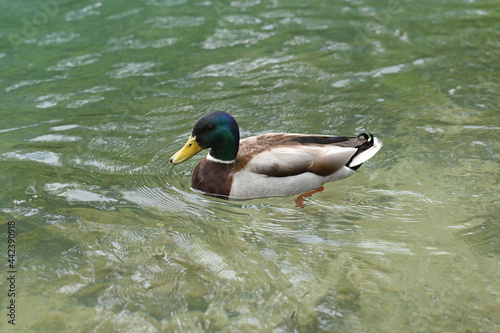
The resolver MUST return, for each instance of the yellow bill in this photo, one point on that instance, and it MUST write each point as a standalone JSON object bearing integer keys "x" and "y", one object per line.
{"x": 190, "y": 149}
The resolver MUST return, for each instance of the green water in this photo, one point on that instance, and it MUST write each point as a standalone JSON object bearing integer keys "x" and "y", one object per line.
{"x": 95, "y": 96}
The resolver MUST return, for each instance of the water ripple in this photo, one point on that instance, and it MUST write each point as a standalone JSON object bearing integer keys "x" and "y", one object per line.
{"x": 360, "y": 76}
{"x": 46, "y": 157}
{"x": 80, "y": 14}
{"x": 55, "y": 138}
{"x": 51, "y": 100}
{"x": 104, "y": 165}
{"x": 129, "y": 42}
{"x": 242, "y": 19}
{"x": 77, "y": 61}
{"x": 241, "y": 68}
{"x": 383, "y": 247}
{"x": 75, "y": 192}
{"x": 33, "y": 82}
{"x": 64, "y": 127}
{"x": 244, "y": 3}
{"x": 79, "y": 103}
{"x": 169, "y": 22}
{"x": 165, "y": 3}
{"x": 156, "y": 198}
{"x": 124, "y": 14}
{"x": 227, "y": 38}
{"x": 54, "y": 38}
{"x": 130, "y": 69}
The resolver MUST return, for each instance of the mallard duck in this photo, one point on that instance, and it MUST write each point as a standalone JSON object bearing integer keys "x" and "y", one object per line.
{"x": 269, "y": 165}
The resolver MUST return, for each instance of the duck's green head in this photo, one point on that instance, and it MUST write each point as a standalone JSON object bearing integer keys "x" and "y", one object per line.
{"x": 216, "y": 130}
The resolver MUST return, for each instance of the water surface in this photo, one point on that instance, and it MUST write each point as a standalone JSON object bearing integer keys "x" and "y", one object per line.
{"x": 97, "y": 95}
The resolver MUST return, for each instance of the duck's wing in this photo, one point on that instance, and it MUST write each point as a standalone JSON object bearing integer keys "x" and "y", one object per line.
{"x": 282, "y": 155}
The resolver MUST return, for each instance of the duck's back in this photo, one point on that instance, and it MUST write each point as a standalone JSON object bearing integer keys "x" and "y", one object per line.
{"x": 287, "y": 164}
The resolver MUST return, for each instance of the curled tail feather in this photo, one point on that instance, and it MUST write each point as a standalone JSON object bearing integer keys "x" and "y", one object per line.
{"x": 365, "y": 151}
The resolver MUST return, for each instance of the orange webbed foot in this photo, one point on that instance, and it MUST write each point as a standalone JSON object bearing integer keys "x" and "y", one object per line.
{"x": 299, "y": 202}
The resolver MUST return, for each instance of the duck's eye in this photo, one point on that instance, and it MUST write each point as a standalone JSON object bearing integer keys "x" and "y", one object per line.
{"x": 189, "y": 145}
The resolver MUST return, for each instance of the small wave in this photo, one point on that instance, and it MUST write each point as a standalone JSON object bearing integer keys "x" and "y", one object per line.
{"x": 165, "y": 3}
{"x": 82, "y": 60}
{"x": 77, "y": 192}
{"x": 129, "y": 42}
{"x": 228, "y": 38}
{"x": 80, "y": 14}
{"x": 54, "y": 38}
{"x": 169, "y": 22}
{"x": 81, "y": 102}
{"x": 55, "y": 138}
{"x": 33, "y": 82}
{"x": 46, "y": 157}
{"x": 130, "y": 69}
{"x": 122, "y": 15}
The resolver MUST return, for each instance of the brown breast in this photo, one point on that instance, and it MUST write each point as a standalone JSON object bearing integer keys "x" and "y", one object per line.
{"x": 213, "y": 178}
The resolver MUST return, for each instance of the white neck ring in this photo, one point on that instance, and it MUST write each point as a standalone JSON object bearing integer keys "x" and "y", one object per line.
{"x": 216, "y": 160}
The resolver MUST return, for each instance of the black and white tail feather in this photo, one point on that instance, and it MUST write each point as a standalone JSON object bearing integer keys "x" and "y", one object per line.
{"x": 365, "y": 151}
